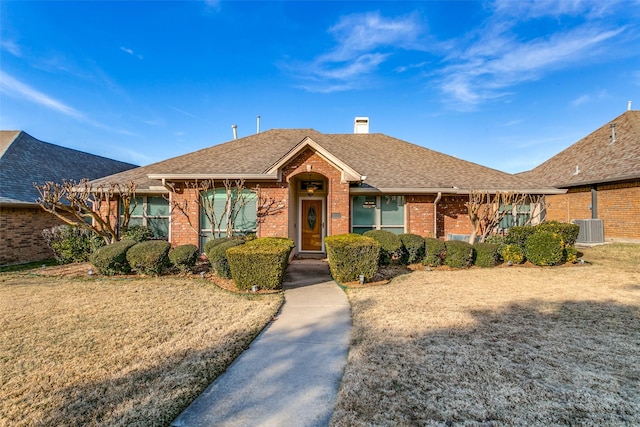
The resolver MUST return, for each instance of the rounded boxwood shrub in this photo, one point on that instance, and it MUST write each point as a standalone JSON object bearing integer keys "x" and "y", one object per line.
{"x": 486, "y": 254}
{"x": 218, "y": 257}
{"x": 350, "y": 255}
{"x": 459, "y": 254}
{"x": 499, "y": 240}
{"x": 149, "y": 257}
{"x": 112, "y": 259}
{"x": 139, "y": 233}
{"x": 568, "y": 232}
{"x": 391, "y": 249}
{"x": 518, "y": 235}
{"x": 413, "y": 246}
{"x": 512, "y": 253}
{"x": 261, "y": 262}
{"x": 571, "y": 254}
{"x": 210, "y": 244}
{"x": 544, "y": 248}
{"x": 184, "y": 257}
{"x": 435, "y": 251}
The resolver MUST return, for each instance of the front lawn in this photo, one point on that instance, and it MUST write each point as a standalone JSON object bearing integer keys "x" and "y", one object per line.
{"x": 503, "y": 346}
{"x": 116, "y": 351}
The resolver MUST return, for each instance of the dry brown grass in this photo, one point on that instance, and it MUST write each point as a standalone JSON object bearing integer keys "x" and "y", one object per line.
{"x": 116, "y": 352}
{"x": 504, "y": 346}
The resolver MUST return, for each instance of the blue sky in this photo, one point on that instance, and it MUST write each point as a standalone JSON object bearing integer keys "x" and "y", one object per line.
{"x": 506, "y": 84}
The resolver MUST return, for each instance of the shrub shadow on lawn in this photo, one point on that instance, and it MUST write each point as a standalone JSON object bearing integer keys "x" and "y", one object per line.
{"x": 535, "y": 363}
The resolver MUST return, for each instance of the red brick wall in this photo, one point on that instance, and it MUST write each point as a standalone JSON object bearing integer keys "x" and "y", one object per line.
{"x": 276, "y": 223}
{"x": 618, "y": 205}
{"x": 21, "y": 234}
{"x": 419, "y": 215}
{"x": 180, "y": 232}
{"x": 452, "y": 216}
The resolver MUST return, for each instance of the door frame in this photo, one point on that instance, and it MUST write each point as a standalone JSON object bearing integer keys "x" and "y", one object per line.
{"x": 323, "y": 226}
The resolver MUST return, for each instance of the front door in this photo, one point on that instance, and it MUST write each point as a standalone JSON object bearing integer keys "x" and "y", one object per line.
{"x": 311, "y": 225}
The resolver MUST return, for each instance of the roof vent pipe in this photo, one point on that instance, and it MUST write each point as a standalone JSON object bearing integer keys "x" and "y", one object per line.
{"x": 258, "y": 125}
{"x": 235, "y": 131}
{"x": 629, "y": 106}
{"x": 613, "y": 133}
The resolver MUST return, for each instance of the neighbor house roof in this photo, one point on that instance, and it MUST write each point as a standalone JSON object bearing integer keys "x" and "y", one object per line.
{"x": 383, "y": 163}
{"x": 25, "y": 160}
{"x": 596, "y": 158}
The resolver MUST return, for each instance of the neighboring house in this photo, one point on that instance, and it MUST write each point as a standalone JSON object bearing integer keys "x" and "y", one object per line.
{"x": 24, "y": 161}
{"x": 601, "y": 174}
{"x": 322, "y": 184}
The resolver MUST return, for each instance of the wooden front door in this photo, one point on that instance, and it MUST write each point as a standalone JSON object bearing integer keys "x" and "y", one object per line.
{"x": 311, "y": 225}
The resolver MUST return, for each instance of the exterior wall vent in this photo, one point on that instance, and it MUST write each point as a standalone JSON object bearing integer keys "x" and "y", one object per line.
{"x": 591, "y": 230}
{"x": 361, "y": 125}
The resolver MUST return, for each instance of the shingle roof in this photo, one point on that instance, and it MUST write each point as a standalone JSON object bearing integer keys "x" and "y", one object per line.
{"x": 595, "y": 159}
{"x": 387, "y": 163}
{"x": 25, "y": 160}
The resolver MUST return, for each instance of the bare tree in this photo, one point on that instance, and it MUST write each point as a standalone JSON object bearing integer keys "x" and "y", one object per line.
{"x": 487, "y": 210}
{"x": 236, "y": 198}
{"x": 76, "y": 202}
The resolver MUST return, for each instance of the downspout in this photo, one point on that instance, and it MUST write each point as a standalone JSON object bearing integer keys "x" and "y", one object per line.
{"x": 435, "y": 214}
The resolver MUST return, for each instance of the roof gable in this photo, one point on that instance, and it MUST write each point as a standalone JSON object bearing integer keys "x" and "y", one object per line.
{"x": 348, "y": 173}
{"x": 596, "y": 158}
{"x": 25, "y": 160}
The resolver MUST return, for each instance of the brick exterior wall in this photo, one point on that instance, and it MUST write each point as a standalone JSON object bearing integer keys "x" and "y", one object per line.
{"x": 276, "y": 222}
{"x": 21, "y": 234}
{"x": 452, "y": 216}
{"x": 181, "y": 228}
{"x": 419, "y": 215}
{"x": 618, "y": 205}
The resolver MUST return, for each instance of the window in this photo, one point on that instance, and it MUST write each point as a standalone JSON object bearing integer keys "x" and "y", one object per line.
{"x": 377, "y": 213}
{"x": 516, "y": 217}
{"x": 152, "y": 212}
{"x": 246, "y": 218}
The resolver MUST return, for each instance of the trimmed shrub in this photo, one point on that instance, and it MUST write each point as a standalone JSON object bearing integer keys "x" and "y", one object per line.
{"x": 261, "y": 262}
{"x": 435, "y": 251}
{"x": 184, "y": 257}
{"x": 351, "y": 255}
{"x": 139, "y": 233}
{"x": 149, "y": 257}
{"x": 391, "y": 249}
{"x": 218, "y": 257}
{"x": 486, "y": 254}
{"x": 499, "y": 240}
{"x": 413, "y": 246}
{"x": 512, "y": 253}
{"x": 459, "y": 254}
{"x": 519, "y": 235}
{"x": 544, "y": 248}
{"x": 210, "y": 244}
{"x": 571, "y": 254}
{"x": 112, "y": 259}
{"x": 568, "y": 232}
{"x": 71, "y": 244}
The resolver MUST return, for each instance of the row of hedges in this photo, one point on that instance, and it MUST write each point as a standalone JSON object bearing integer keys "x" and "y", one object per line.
{"x": 147, "y": 257}
{"x": 257, "y": 262}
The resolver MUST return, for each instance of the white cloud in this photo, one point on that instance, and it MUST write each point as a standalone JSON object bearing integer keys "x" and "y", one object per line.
{"x": 362, "y": 43}
{"x": 12, "y": 47}
{"x": 15, "y": 88}
{"x": 130, "y": 52}
{"x": 498, "y": 59}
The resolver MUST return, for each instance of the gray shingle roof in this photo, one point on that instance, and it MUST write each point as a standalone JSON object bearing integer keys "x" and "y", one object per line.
{"x": 25, "y": 160}
{"x": 595, "y": 159}
{"x": 387, "y": 162}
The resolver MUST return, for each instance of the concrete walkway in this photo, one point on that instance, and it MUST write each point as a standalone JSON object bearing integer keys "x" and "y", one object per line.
{"x": 290, "y": 374}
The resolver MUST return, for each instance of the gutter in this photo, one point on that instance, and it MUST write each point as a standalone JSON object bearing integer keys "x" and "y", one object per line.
{"x": 190, "y": 176}
{"x": 452, "y": 190}
{"x": 435, "y": 214}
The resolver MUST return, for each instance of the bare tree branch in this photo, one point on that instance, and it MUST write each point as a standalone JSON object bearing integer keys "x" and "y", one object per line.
{"x": 76, "y": 202}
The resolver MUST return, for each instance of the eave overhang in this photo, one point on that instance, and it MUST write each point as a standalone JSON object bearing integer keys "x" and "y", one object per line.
{"x": 450, "y": 190}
